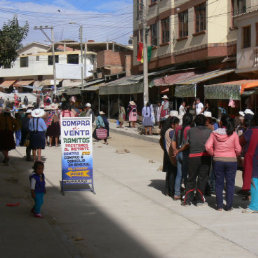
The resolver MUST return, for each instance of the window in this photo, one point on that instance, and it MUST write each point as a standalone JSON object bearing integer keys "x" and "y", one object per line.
{"x": 139, "y": 8}
{"x": 247, "y": 37}
{"x": 238, "y": 6}
{"x": 165, "y": 30}
{"x": 37, "y": 58}
{"x": 154, "y": 34}
{"x": 200, "y": 17}
{"x": 73, "y": 59}
{"x": 24, "y": 61}
{"x": 50, "y": 60}
{"x": 183, "y": 24}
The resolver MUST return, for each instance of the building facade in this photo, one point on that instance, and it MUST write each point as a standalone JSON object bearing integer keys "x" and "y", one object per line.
{"x": 186, "y": 31}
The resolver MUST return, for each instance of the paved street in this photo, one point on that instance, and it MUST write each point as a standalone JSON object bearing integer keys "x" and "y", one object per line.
{"x": 128, "y": 217}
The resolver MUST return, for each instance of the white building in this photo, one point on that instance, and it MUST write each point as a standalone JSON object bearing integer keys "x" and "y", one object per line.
{"x": 34, "y": 66}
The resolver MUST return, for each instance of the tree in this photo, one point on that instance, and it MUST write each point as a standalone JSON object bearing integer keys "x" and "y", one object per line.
{"x": 11, "y": 36}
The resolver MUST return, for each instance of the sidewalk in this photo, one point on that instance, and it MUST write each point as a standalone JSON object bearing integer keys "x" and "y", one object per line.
{"x": 133, "y": 132}
{"x": 22, "y": 235}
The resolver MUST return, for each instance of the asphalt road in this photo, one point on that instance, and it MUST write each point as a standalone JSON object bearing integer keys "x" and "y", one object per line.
{"x": 128, "y": 217}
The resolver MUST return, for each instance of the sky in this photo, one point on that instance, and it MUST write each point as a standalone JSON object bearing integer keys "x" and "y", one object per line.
{"x": 102, "y": 20}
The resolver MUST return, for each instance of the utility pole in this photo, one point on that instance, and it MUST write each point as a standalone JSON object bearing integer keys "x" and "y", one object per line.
{"x": 145, "y": 53}
{"x": 82, "y": 77}
{"x": 52, "y": 40}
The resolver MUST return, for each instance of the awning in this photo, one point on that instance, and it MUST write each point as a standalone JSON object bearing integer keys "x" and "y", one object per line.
{"x": 93, "y": 87}
{"x": 121, "y": 89}
{"x": 187, "y": 87}
{"x": 72, "y": 83}
{"x": 7, "y": 84}
{"x": 73, "y": 91}
{"x": 125, "y": 85}
{"x": 173, "y": 79}
{"x": 23, "y": 83}
{"x": 229, "y": 90}
{"x": 198, "y": 78}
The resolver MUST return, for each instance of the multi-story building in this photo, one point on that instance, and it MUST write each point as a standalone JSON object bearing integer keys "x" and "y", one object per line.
{"x": 34, "y": 65}
{"x": 247, "y": 42}
{"x": 188, "y": 31}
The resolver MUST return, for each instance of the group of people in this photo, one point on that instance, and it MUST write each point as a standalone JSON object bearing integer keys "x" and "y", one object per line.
{"x": 201, "y": 153}
{"x": 37, "y": 127}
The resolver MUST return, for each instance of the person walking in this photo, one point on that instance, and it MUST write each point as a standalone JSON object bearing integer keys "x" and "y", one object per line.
{"x": 164, "y": 112}
{"x": 199, "y": 162}
{"x": 132, "y": 111}
{"x": 147, "y": 118}
{"x": 37, "y": 129}
{"x": 223, "y": 144}
{"x": 168, "y": 128}
{"x": 37, "y": 187}
{"x": 102, "y": 126}
{"x": 121, "y": 116}
{"x": 25, "y": 101}
{"x": 8, "y": 125}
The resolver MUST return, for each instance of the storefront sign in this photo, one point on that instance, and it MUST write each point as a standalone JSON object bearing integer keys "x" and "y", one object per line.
{"x": 77, "y": 160}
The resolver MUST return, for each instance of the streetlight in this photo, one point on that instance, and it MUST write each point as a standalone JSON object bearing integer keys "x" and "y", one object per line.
{"x": 80, "y": 31}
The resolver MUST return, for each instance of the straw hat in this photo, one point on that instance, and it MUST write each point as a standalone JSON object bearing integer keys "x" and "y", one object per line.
{"x": 174, "y": 113}
{"x": 47, "y": 108}
{"x": 207, "y": 114}
{"x": 101, "y": 113}
{"x": 132, "y": 103}
{"x": 165, "y": 97}
{"x": 38, "y": 112}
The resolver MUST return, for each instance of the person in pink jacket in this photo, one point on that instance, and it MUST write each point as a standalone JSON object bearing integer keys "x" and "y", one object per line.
{"x": 223, "y": 144}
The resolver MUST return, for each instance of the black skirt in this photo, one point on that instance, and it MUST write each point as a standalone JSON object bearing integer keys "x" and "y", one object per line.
{"x": 37, "y": 140}
{"x": 6, "y": 140}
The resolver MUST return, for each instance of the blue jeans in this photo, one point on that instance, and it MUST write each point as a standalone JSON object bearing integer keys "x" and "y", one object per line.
{"x": 225, "y": 170}
{"x": 185, "y": 166}
{"x": 179, "y": 159}
{"x": 39, "y": 199}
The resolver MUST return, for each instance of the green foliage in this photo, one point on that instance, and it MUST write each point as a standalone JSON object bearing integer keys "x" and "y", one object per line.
{"x": 11, "y": 36}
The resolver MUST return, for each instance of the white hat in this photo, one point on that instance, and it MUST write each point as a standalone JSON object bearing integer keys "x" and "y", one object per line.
{"x": 207, "y": 114}
{"x": 173, "y": 113}
{"x": 101, "y": 113}
{"x": 38, "y": 112}
{"x": 241, "y": 113}
{"x": 165, "y": 97}
{"x": 249, "y": 111}
{"x": 53, "y": 106}
{"x": 87, "y": 105}
{"x": 132, "y": 103}
{"x": 28, "y": 111}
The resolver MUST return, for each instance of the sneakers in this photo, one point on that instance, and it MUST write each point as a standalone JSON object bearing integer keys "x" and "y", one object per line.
{"x": 38, "y": 215}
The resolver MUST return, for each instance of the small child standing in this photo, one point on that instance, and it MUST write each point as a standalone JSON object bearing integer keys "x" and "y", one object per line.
{"x": 37, "y": 186}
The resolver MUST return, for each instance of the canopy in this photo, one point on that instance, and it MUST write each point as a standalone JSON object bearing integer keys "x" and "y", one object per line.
{"x": 7, "y": 84}
{"x": 187, "y": 87}
{"x": 125, "y": 85}
{"x": 229, "y": 90}
{"x": 23, "y": 83}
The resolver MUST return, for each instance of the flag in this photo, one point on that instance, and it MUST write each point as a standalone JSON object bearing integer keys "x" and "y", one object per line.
{"x": 140, "y": 52}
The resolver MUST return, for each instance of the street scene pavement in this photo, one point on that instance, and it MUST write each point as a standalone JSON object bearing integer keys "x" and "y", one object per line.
{"x": 129, "y": 216}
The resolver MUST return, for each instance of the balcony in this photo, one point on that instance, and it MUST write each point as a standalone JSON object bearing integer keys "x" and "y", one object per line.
{"x": 247, "y": 60}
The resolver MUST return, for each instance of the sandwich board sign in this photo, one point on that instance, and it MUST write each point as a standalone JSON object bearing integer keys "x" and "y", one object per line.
{"x": 77, "y": 159}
